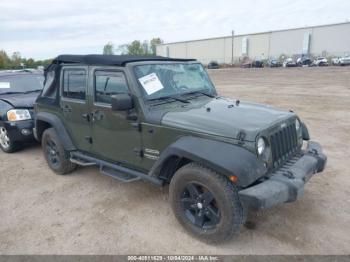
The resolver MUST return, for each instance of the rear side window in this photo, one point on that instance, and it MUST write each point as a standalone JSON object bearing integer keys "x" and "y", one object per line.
{"x": 74, "y": 83}
{"x": 50, "y": 87}
{"x": 108, "y": 84}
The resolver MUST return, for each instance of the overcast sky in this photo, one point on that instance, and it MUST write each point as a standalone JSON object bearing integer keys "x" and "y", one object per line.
{"x": 43, "y": 28}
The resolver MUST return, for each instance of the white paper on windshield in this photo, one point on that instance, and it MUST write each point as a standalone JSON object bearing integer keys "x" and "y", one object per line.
{"x": 151, "y": 83}
{"x": 4, "y": 85}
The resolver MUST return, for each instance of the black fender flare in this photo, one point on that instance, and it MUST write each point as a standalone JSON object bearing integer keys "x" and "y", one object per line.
{"x": 57, "y": 124}
{"x": 224, "y": 158}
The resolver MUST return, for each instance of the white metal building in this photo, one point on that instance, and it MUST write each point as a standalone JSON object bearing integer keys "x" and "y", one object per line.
{"x": 325, "y": 40}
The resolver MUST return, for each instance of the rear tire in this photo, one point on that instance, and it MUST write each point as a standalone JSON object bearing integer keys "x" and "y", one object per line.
{"x": 215, "y": 214}
{"x": 57, "y": 158}
{"x": 6, "y": 143}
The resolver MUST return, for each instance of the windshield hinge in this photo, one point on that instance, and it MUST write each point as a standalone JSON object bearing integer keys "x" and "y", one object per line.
{"x": 137, "y": 126}
{"x": 89, "y": 139}
{"x": 139, "y": 152}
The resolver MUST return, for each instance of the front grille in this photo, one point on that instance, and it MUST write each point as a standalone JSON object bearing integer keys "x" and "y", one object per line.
{"x": 284, "y": 144}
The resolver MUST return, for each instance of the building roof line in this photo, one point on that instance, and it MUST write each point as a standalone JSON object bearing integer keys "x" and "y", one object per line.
{"x": 258, "y": 33}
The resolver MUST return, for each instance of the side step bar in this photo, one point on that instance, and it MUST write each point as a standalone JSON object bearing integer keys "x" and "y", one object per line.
{"x": 123, "y": 177}
{"x": 121, "y": 173}
{"x": 80, "y": 162}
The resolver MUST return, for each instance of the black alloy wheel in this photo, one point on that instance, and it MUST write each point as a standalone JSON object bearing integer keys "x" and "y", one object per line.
{"x": 52, "y": 153}
{"x": 56, "y": 156}
{"x": 200, "y": 206}
{"x": 206, "y": 203}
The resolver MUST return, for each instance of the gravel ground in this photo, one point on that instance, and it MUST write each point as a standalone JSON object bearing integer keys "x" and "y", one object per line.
{"x": 87, "y": 213}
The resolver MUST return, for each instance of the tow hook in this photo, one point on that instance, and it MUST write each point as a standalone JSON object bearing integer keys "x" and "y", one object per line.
{"x": 313, "y": 151}
{"x": 289, "y": 174}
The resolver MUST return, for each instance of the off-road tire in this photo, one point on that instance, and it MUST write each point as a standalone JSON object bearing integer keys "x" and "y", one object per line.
{"x": 232, "y": 214}
{"x": 12, "y": 146}
{"x": 63, "y": 165}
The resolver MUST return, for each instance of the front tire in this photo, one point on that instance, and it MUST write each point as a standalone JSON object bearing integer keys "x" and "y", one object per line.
{"x": 57, "y": 158}
{"x": 6, "y": 143}
{"x": 206, "y": 203}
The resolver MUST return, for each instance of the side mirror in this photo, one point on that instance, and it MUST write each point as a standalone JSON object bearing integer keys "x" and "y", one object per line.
{"x": 122, "y": 102}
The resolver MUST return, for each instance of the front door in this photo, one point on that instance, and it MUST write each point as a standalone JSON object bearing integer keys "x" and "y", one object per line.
{"x": 115, "y": 138}
{"x": 74, "y": 106}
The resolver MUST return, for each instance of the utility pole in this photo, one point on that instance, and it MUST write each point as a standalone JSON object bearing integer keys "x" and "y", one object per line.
{"x": 233, "y": 34}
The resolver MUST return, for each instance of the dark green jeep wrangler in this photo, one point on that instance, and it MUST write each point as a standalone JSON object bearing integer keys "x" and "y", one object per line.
{"x": 160, "y": 119}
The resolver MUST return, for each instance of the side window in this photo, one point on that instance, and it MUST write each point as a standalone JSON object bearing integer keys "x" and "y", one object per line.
{"x": 49, "y": 89}
{"x": 74, "y": 83}
{"x": 108, "y": 84}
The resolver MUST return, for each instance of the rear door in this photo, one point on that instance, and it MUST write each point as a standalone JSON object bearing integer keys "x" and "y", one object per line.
{"x": 74, "y": 105}
{"x": 115, "y": 137}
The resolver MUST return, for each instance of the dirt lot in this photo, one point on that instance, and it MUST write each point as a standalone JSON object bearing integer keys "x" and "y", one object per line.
{"x": 87, "y": 213}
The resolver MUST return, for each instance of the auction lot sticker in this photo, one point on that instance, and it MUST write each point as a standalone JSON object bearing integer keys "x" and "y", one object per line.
{"x": 4, "y": 85}
{"x": 151, "y": 83}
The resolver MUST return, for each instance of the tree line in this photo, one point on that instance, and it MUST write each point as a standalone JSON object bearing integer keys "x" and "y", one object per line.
{"x": 136, "y": 47}
{"x": 15, "y": 61}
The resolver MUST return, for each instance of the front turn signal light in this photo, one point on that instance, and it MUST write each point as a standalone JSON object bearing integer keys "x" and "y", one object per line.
{"x": 233, "y": 179}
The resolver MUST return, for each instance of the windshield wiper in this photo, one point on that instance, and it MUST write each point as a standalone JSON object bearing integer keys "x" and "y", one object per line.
{"x": 32, "y": 91}
{"x": 11, "y": 93}
{"x": 200, "y": 92}
{"x": 170, "y": 97}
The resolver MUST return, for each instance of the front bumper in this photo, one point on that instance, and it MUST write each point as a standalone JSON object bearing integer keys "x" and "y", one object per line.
{"x": 287, "y": 183}
{"x": 20, "y": 131}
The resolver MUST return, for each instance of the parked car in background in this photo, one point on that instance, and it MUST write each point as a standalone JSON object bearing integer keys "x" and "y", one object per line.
{"x": 247, "y": 63}
{"x": 257, "y": 63}
{"x": 274, "y": 63}
{"x": 304, "y": 61}
{"x": 344, "y": 61}
{"x": 18, "y": 92}
{"x": 335, "y": 61}
{"x": 320, "y": 61}
{"x": 289, "y": 62}
{"x": 213, "y": 65}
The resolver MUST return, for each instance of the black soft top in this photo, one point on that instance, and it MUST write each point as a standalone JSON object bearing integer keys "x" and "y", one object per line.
{"x": 111, "y": 60}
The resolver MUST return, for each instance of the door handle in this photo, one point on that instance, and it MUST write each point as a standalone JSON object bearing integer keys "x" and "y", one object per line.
{"x": 67, "y": 109}
{"x": 97, "y": 115}
{"x": 86, "y": 116}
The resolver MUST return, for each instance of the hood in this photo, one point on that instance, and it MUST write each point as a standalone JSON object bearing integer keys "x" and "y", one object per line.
{"x": 20, "y": 100}
{"x": 222, "y": 117}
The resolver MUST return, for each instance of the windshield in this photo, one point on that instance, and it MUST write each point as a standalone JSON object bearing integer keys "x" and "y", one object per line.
{"x": 167, "y": 80}
{"x": 20, "y": 83}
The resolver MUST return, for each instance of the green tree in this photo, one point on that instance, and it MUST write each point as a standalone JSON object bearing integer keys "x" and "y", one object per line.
{"x": 122, "y": 49}
{"x": 16, "y": 60}
{"x": 135, "y": 48}
{"x": 4, "y": 60}
{"x": 154, "y": 42}
{"x": 145, "y": 47}
{"x": 108, "y": 49}
{"x": 138, "y": 47}
{"x": 29, "y": 63}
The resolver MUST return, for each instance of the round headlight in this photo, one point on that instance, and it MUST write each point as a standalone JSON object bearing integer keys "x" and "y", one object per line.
{"x": 261, "y": 145}
{"x": 297, "y": 124}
